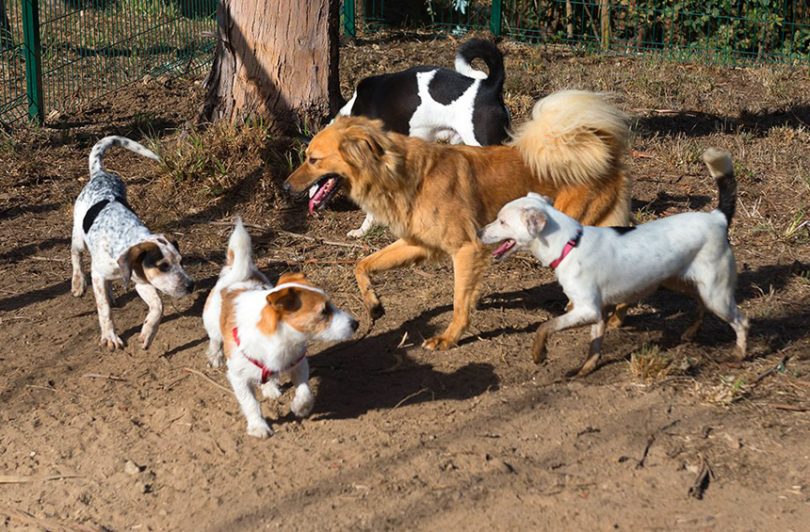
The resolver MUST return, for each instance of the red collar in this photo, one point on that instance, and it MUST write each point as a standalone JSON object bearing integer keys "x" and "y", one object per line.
{"x": 571, "y": 244}
{"x": 266, "y": 372}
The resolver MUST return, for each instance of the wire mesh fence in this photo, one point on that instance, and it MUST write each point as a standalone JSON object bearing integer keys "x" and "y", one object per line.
{"x": 87, "y": 48}
{"x": 718, "y": 31}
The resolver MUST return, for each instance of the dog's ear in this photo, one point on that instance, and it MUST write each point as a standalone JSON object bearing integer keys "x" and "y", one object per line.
{"x": 291, "y": 277}
{"x": 363, "y": 145}
{"x": 535, "y": 195}
{"x": 534, "y": 220}
{"x": 285, "y": 300}
{"x": 131, "y": 261}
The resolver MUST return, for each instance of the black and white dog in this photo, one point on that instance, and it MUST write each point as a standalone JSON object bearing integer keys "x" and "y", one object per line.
{"x": 462, "y": 106}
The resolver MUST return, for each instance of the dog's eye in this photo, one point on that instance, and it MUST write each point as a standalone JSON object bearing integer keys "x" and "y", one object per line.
{"x": 164, "y": 267}
{"x": 327, "y": 311}
{"x": 313, "y": 160}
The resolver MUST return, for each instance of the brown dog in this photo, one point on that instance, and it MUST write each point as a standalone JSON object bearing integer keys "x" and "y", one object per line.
{"x": 435, "y": 197}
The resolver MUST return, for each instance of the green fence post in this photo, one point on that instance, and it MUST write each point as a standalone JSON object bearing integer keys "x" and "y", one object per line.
{"x": 348, "y": 18}
{"x": 33, "y": 60}
{"x": 495, "y": 17}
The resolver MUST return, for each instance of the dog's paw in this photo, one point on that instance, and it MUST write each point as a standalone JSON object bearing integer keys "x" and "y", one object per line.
{"x": 438, "y": 343}
{"x": 216, "y": 360}
{"x": 539, "y": 351}
{"x": 260, "y": 431}
{"x": 78, "y": 285}
{"x": 111, "y": 341}
{"x": 270, "y": 390}
{"x": 357, "y": 233}
{"x": 303, "y": 402}
{"x": 375, "y": 310}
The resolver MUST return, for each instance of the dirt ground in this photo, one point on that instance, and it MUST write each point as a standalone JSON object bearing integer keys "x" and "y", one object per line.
{"x": 403, "y": 438}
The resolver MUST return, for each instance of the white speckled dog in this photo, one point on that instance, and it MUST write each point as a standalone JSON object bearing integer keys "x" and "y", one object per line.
{"x": 602, "y": 266}
{"x": 121, "y": 247}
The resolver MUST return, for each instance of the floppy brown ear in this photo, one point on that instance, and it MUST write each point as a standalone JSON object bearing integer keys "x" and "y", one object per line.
{"x": 285, "y": 300}
{"x": 362, "y": 145}
{"x": 534, "y": 220}
{"x": 132, "y": 260}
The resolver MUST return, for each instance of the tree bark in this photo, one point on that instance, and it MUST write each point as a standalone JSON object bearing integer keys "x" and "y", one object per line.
{"x": 276, "y": 60}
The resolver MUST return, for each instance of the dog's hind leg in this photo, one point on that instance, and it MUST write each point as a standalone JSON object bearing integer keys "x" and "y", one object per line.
{"x": 399, "y": 254}
{"x": 688, "y": 288}
{"x": 77, "y": 283}
{"x": 469, "y": 263}
{"x": 150, "y": 325}
{"x": 721, "y": 302}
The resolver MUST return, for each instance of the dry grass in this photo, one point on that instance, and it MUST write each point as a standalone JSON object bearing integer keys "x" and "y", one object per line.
{"x": 649, "y": 364}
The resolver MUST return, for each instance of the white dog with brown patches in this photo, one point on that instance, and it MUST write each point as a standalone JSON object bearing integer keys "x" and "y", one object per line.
{"x": 599, "y": 267}
{"x": 263, "y": 331}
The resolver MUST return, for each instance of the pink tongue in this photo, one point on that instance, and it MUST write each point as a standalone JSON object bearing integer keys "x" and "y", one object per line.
{"x": 315, "y": 200}
{"x": 505, "y": 246}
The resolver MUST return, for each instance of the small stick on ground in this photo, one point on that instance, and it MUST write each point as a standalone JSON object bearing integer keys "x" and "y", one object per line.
{"x": 701, "y": 483}
{"x": 206, "y": 377}
{"x": 322, "y": 241}
{"x": 770, "y": 371}
{"x": 650, "y": 440}
{"x": 19, "y": 479}
{"x": 102, "y": 376}
{"x": 412, "y": 395}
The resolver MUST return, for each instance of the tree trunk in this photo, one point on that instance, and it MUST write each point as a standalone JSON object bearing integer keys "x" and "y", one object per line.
{"x": 276, "y": 60}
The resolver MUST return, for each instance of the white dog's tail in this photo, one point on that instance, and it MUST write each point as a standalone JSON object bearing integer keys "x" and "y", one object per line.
{"x": 239, "y": 264}
{"x": 101, "y": 147}
{"x": 722, "y": 170}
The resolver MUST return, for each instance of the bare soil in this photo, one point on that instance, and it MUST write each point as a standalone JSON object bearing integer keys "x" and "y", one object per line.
{"x": 402, "y": 438}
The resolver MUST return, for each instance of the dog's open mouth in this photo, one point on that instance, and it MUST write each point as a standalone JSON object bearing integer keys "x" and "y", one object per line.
{"x": 503, "y": 249}
{"x": 322, "y": 191}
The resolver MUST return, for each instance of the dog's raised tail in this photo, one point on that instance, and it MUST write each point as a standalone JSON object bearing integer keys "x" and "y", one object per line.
{"x": 722, "y": 170}
{"x": 101, "y": 147}
{"x": 239, "y": 260}
{"x": 489, "y": 54}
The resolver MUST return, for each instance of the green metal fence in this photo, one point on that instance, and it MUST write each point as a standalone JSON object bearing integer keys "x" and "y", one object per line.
{"x": 60, "y": 54}
{"x": 721, "y": 31}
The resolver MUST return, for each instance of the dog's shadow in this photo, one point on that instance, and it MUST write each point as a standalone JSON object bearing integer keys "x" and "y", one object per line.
{"x": 375, "y": 374}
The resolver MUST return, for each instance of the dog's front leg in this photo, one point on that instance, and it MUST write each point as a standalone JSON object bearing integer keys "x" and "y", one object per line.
{"x": 595, "y": 349}
{"x": 109, "y": 339}
{"x": 150, "y": 296}
{"x": 582, "y": 314}
{"x": 304, "y": 400}
{"x": 257, "y": 425}
{"x": 77, "y": 282}
{"x": 396, "y": 255}
{"x": 361, "y": 231}
{"x": 469, "y": 263}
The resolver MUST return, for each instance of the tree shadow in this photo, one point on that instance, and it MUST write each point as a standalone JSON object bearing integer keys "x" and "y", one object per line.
{"x": 699, "y": 124}
{"x": 19, "y": 301}
{"x": 21, "y": 252}
{"x": 19, "y": 210}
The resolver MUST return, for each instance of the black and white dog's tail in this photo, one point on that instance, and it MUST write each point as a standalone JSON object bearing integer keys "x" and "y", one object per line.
{"x": 722, "y": 170}
{"x": 101, "y": 147}
{"x": 487, "y": 52}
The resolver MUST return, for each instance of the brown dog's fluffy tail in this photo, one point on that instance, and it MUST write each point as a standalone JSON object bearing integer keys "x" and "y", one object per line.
{"x": 577, "y": 140}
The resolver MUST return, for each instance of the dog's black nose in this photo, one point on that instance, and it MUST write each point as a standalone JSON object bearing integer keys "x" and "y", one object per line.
{"x": 189, "y": 286}
{"x": 355, "y": 324}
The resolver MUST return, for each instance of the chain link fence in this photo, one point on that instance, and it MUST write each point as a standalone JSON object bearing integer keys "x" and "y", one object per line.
{"x": 61, "y": 54}
{"x": 717, "y": 31}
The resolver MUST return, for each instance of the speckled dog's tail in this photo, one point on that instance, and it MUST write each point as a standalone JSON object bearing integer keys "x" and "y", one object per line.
{"x": 722, "y": 170}
{"x": 101, "y": 147}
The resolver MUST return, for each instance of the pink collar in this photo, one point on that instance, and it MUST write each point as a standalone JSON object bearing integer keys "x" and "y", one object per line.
{"x": 266, "y": 372}
{"x": 571, "y": 244}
